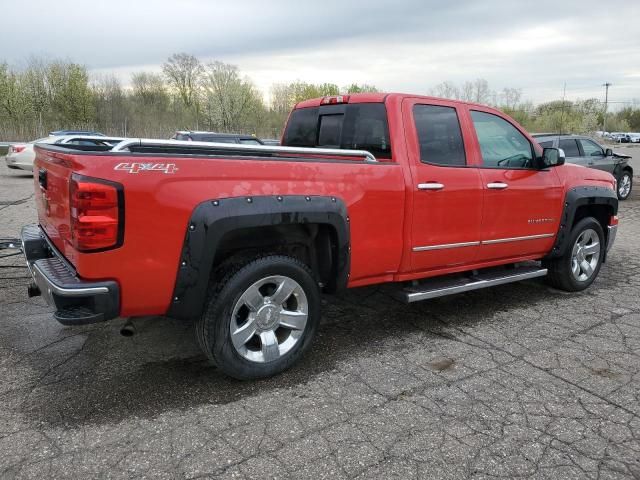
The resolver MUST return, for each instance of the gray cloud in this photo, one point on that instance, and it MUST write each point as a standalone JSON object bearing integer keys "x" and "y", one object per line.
{"x": 401, "y": 45}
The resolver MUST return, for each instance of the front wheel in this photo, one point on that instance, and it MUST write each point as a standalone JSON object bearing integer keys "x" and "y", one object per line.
{"x": 625, "y": 182}
{"x": 260, "y": 317}
{"x": 579, "y": 265}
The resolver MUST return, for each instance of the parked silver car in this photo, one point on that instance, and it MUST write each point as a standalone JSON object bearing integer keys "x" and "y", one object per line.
{"x": 585, "y": 151}
{"x": 21, "y": 155}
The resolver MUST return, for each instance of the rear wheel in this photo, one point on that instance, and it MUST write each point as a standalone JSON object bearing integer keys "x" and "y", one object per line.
{"x": 261, "y": 317}
{"x": 578, "y": 267}
{"x": 625, "y": 182}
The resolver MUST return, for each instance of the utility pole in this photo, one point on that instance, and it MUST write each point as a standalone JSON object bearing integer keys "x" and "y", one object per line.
{"x": 606, "y": 101}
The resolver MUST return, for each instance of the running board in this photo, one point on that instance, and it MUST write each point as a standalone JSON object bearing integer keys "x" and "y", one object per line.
{"x": 440, "y": 287}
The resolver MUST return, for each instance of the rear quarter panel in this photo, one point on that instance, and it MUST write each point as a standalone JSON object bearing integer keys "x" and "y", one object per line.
{"x": 158, "y": 207}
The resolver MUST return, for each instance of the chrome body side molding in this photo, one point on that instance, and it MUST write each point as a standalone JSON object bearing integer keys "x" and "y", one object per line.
{"x": 482, "y": 242}
{"x": 446, "y": 245}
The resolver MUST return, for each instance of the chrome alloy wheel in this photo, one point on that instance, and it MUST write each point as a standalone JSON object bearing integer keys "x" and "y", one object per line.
{"x": 585, "y": 255}
{"x": 624, "y": 187}
{"x": 269, "y": 319}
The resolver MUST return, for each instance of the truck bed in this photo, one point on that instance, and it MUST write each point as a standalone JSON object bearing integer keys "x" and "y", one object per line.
{"x": 164, "y": 181}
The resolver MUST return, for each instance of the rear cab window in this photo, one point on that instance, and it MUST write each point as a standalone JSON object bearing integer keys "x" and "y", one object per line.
{"x": 355, "y": 126}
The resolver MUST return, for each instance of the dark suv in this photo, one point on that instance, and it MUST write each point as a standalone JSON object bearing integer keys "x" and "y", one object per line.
{"x": 584, "y": 151}
{"x": 217, "y": 137}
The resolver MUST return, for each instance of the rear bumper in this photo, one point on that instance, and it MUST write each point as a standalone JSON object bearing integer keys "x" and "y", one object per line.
{"x": 15, "y": 163}
{"x": 77, "y": 302}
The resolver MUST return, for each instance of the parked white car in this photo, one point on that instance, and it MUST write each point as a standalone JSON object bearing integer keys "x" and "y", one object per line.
{"x": 634, "y": 137}
{"x": 21, "y": 155}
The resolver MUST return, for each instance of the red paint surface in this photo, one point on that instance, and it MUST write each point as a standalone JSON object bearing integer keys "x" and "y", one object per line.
{"x": 389, "y": 216}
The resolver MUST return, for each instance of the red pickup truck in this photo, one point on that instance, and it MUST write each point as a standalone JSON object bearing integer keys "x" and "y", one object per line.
{"x": 437, "y": 196}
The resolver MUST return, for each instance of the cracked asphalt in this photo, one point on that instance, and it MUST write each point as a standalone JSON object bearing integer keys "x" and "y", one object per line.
{"x": 516, "y": 381}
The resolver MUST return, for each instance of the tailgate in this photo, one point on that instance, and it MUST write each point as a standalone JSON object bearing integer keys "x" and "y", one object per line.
{"x": 51, "y": 174}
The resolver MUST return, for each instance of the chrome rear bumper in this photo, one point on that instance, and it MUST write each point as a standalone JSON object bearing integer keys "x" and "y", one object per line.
{"x": 77, "y": 301}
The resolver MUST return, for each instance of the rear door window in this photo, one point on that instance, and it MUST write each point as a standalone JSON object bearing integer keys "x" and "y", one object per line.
{"x": 439, "y": 135}
{"x": 358, "y": 126}
{"x": 570, "y": 147}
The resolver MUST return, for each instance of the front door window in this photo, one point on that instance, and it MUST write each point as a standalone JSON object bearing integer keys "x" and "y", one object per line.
{"x": 501, "y": 144}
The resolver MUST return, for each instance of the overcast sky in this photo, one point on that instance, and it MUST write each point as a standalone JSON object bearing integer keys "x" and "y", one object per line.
{"x": 406, "y": 46}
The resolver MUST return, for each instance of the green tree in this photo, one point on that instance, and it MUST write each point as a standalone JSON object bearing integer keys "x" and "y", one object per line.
{"x": 631, "y": 116}
{"x": 230, "y": 102}
{"x": 362, "y": 88}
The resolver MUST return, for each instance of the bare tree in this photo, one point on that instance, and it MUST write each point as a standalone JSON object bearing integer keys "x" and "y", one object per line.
{"x": 282, "y": 98}
{"x": 481, "y": 92}
{"x": 510, "y": 97}
{"x": 111, "y": 105}
{"x": 466, "y": 92}
{"x": 446, "y": 89}
{"x": 184, "y": 74}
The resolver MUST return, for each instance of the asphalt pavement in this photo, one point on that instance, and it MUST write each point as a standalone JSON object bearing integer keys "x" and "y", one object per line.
{"x": 516, "y": 381}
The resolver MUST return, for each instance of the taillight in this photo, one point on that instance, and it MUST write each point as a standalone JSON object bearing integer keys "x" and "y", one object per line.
{"x": 334, "y": 100}
{"x": 613, "y": 220}
{"x": 97, "y": 213}
{"x": 16, "y": 148}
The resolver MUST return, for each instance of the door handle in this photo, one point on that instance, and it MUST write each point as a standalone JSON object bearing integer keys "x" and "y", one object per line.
{"x": 497, "y": 185}
{"x": 430, "y": 186}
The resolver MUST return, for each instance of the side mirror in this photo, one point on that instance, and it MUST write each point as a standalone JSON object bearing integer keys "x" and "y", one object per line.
{"x": 608, "y": 152}
{"x": 552, "y": 157}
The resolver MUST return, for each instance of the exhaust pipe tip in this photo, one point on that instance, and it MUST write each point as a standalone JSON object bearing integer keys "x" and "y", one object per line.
{"x": 128, "y": 330}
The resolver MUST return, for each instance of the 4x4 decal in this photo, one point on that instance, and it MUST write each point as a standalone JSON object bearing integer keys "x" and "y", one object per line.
{"x": 137, "y": 167}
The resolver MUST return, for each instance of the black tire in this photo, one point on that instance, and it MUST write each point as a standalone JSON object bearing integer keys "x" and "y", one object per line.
{"x": 621, "y": 178}
{"x": 560, "y": 274}
{"x": 213, "y": 327}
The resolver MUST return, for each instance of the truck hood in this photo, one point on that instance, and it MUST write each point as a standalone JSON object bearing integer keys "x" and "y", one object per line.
{"x": 621, "y": 155}
{"x": 577, "y": 173}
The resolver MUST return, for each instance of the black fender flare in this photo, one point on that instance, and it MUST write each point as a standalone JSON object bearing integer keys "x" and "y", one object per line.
{"x": 577, "y": 197}
{"x": 211, "y": 220}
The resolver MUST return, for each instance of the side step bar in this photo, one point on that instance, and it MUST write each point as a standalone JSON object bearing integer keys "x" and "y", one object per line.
{"x": 440, "y": 287}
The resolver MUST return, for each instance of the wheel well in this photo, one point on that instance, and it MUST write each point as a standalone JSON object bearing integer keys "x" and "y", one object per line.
{"x": 602, "y": 213}
{"x": 628, "y": 168}
{"x": 314, "y": 244}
